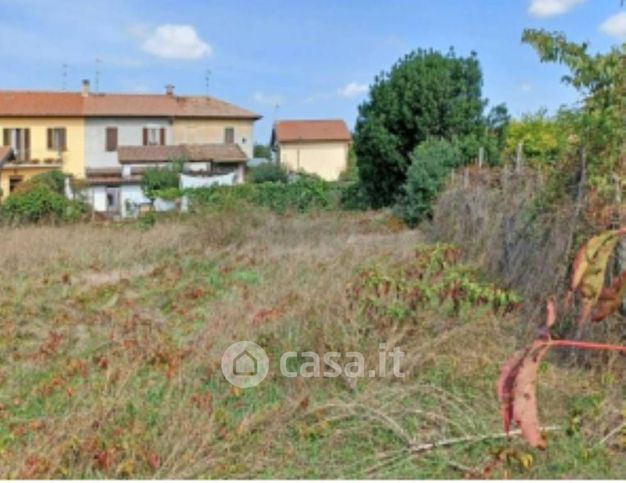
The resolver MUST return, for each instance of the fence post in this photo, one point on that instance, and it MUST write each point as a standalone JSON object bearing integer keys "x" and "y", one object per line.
{"x": 518, "y": 157}
{"x": 481, "y": 156}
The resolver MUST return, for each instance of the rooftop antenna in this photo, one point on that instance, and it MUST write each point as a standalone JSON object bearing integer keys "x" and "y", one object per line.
{"x": 97, "y": 83}
{"x": 64, "y": 77}
{"x": 276, "y": 107}
{"x": 207, "y": 80}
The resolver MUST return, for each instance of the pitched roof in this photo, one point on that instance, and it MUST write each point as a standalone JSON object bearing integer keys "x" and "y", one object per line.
{"x": 311, "y": 130}
{"x": 74, "y": 104}
{"x": 190, "y": 152}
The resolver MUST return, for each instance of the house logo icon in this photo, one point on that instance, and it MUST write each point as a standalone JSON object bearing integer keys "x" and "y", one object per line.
{"x": 245, "y": 364}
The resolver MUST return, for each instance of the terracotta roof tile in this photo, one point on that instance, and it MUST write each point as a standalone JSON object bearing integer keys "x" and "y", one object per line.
{"x": 312, "y": 130}
{"x": 190, "y": 152}
{"x": 74, "y": 104}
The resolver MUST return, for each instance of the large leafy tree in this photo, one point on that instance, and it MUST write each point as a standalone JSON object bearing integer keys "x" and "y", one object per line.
{"x": 426, "y": 94}
{"x": 601, "y": 80}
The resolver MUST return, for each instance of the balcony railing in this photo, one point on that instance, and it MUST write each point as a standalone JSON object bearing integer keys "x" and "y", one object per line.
{"x": 43, "y": 157}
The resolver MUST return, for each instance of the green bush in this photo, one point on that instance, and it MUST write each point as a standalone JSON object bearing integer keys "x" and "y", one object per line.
{"x": 431, "y": 162}
{"x": 38, "y": 201}
{"x": 54, "y": 179}
{"x": 268, "y": 172}
{"x": 160, "y": 179}
{"x": 353, "y": 197}
{"x": 303, "y": 195}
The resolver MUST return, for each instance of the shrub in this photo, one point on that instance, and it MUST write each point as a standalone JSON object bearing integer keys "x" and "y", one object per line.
{"x": 353, "y": 197}
{"x": 303, "y": 195}
{"x": 158, "y": 179}
{"x": 54, "y": 179}
{"x": 268, "y": 172}
{"x": 431, "y": 162}
{"x": 36, "y": 202}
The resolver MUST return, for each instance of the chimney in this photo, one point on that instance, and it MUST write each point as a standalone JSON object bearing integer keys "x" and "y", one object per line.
{"x": 169, "y": 89}
{"x": 85, "y": 88}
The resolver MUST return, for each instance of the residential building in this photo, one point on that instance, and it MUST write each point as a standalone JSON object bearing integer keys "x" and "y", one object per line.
{"x": 83, "y": 132}
{"x": 313, "y": 146}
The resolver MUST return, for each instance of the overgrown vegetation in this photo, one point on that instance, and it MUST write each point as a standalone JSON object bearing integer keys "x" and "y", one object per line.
{"x": 268, "y": 173}
{"x": 41, "y": 199}
{"x": 158, "y": 180}
{"x": 304, "y": 194}
{"x": 431, "y": 163}
{"x": 115, "y": 372}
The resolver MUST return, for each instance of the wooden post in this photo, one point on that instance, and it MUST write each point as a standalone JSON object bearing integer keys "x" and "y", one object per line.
{"x": 518, "y": 157}
{"x": 481, "y": 156}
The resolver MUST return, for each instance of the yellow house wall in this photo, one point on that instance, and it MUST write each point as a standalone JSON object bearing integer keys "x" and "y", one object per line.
{"x": 73, "y": 158}
{"x": 327, "y": 160}
{"x": 25, "y": 173}
{"x": 199, "y": 131}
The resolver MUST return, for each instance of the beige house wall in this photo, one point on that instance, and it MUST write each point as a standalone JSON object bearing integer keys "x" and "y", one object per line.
{"x": 199, "y": 131}
{"x": 325, "y": 159}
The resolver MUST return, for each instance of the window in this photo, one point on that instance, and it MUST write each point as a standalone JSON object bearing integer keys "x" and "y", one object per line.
{"x": 57, "y": 139}
{"x": 19, "y": 140}
{"x": 111, "y": 139}
{"x": 229, "y": 135}
{"x": 14, "y": 181}
{"x": 153, "y": 136}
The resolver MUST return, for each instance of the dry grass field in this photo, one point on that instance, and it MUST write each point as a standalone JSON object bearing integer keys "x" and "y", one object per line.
{"x": 111, "y": 338}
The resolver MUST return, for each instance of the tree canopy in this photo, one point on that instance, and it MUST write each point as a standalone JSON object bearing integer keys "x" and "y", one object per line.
{"x": 426, "y": 94}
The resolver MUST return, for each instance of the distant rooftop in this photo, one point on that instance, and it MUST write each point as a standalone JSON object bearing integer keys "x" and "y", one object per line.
{"x": 311, "y": 130}
{"x": 86, "y": 104}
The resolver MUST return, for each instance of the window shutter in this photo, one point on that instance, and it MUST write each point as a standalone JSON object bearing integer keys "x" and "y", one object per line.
{"x": 145, "y": 136}
{"x": 162, "y": 136}
{"x": 27, "y": 144}
{"x": 6, "y": 137}
{"x": 111, "y": 138}
{"x": 63, "y": 139}
{"x": 50, "y": 146}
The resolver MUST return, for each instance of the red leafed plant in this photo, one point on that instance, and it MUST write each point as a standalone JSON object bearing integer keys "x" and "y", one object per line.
{"x": 517, "y": 384}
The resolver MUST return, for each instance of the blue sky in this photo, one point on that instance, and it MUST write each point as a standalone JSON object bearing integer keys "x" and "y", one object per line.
{"x": 314, "y": 59}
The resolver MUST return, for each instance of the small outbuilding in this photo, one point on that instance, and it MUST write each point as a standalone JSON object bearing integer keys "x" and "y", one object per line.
{"x": 315, "y": 146}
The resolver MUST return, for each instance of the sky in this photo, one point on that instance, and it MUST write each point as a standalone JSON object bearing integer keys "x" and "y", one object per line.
{"x": 290, "y": 59}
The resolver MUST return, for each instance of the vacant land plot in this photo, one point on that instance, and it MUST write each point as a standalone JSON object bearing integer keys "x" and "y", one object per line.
{"x": 112, "y": 336}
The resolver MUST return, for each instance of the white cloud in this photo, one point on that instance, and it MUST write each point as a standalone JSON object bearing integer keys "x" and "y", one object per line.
{"x": 269, "y": 99}
{"x": 526, "y": 87}
{"x": 353, "y": 89}
{"x": 615, "y": 26}
{"x": 169, "y": 41}
{"x": 550, "y": 8}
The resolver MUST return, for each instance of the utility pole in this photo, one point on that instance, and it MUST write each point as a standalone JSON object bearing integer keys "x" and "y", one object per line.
{"x": 64, "y": 77}
{"x": 97, "y": 82}
{"x": 207, "y": 81}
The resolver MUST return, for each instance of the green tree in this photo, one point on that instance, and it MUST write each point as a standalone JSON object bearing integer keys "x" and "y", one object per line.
{"x": 426, "y": 94}
{"x": 431, "y": 162}
{"x": 544, "y": 139}
{"x": 262, "y": 151}
{"x": 601, "y": 81}
{"x": 156, "y": 179}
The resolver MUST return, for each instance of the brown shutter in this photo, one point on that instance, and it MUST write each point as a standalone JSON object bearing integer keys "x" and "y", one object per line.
{"x": 6, "y": 137}
{"x": 162, "y": 136}
{"x": 27, "y": 144}
{"x": 50, "y": 138}
{"x": 111, "y": 138}
{"x": 145, "y": 136}
{"x": 63, "y": 139}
